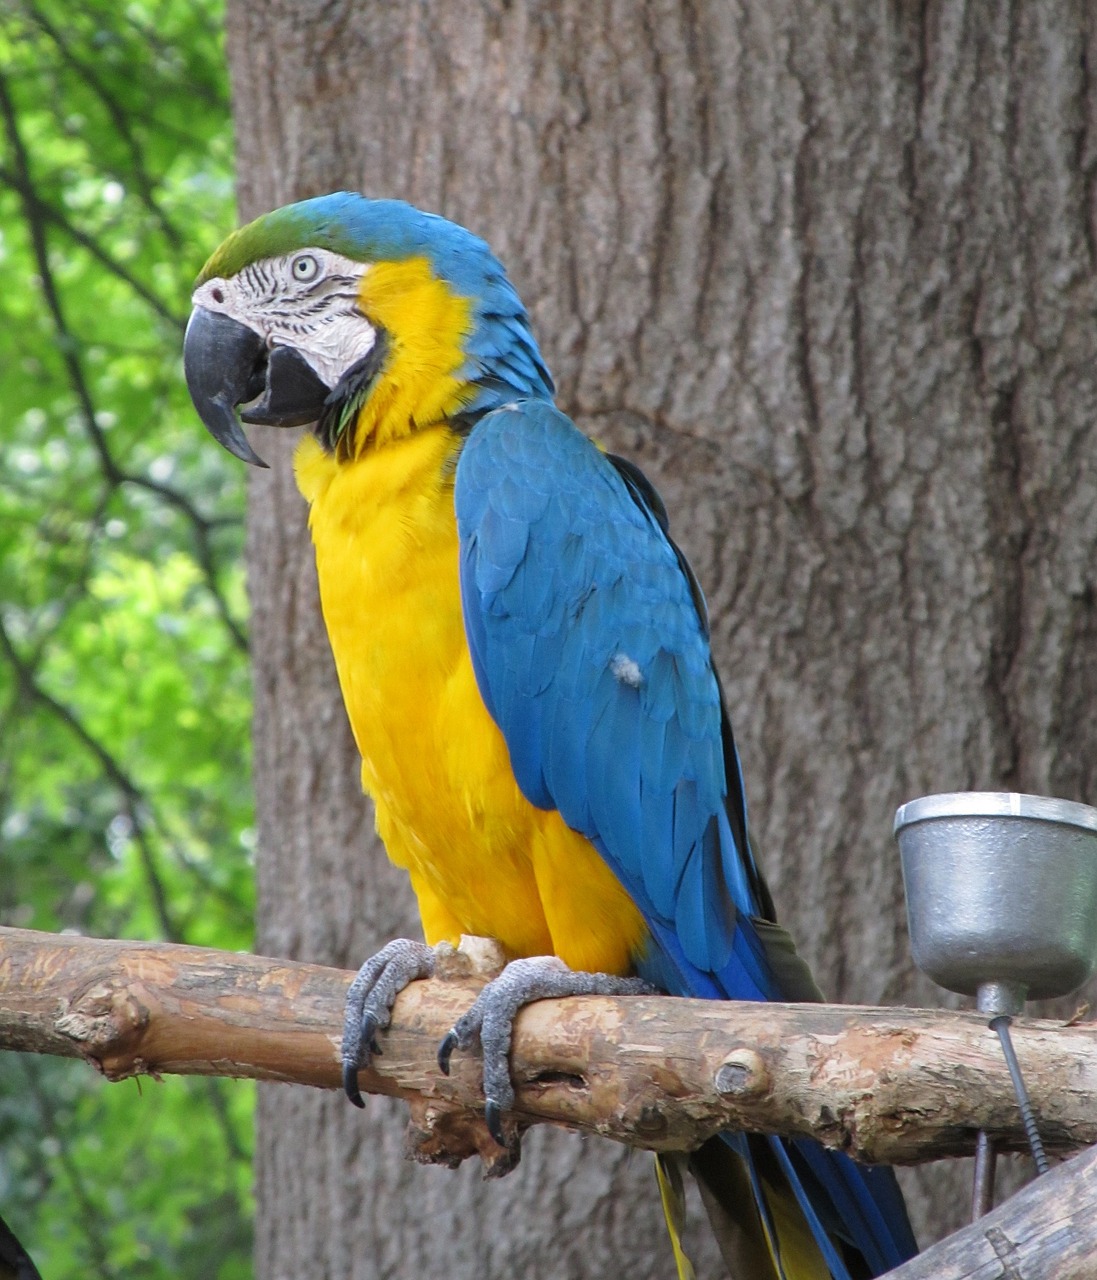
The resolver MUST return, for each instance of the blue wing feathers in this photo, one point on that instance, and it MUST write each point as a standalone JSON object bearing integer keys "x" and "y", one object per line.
{"x": 475, "y": 623}
{"x": 699, "y": 918}
{"x": 503, "y": 545}
{"x": 595, "y": 665}
{"x": 566, "y": 717}
{"x": 656, "y": 831}
{"x": 666, "y": 755}
{"x": 589, "y": 640}
{"x": 864, "y": 1199}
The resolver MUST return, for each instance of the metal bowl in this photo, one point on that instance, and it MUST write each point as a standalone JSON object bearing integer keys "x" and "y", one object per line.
{"x": 1001, "y": 887}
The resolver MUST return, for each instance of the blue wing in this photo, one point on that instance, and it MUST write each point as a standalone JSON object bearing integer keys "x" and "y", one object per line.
{"x": 594, "y": 661}
{"x": 589, "y": 640}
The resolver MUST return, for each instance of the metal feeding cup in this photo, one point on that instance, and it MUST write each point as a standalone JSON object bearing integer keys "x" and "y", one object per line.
{"x": 1001, "y": 888}
{"x": 1002, "y": 905}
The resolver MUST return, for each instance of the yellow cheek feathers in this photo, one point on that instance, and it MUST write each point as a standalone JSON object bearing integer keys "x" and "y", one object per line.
{"x": 427, "y": 325}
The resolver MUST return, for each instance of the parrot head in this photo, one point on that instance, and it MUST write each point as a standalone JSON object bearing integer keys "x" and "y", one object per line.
{"x": 366, "y": 317}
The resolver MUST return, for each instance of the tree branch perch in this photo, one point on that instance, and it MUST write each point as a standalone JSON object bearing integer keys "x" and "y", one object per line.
{"x": 896, "y": 1086}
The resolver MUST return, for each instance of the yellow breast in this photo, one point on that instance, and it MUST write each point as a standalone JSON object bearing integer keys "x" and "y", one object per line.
{"x": 482, "y": 859}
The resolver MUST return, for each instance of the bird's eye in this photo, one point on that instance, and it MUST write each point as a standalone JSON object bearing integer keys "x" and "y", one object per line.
{"x": 305, "y": 268}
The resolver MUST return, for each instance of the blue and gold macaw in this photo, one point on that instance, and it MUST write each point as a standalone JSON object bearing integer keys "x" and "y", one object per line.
{"x": 524, "y": 656}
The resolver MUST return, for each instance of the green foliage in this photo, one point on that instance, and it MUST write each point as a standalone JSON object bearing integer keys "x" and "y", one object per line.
{"x": 125, "y": 805}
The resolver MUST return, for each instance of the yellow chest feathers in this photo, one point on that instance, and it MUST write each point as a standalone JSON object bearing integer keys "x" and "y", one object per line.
{"x": 386, "y": 555}
{"x": 482, "y": 859}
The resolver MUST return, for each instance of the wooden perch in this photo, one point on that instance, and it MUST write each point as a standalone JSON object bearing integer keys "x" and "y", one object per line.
{"x": 889, "y": 1085}
{"x": 1047, "y": 1229}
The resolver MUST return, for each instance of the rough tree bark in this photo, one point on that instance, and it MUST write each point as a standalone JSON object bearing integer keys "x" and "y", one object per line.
{"x": 827, "y": 273}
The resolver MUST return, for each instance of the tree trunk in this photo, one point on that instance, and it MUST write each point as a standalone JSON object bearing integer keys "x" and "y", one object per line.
{"x": 827, "y": 274}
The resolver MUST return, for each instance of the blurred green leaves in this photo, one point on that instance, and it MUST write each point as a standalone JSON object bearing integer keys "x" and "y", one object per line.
{"x": 125, "y": 802}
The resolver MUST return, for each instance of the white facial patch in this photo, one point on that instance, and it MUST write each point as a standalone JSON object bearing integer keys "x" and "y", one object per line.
{"x": 307, "y": 300}
{"x": 626, "y": 669}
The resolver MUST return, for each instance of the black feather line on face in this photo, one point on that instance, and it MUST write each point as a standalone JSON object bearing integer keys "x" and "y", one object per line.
{"x": 350, "y": 393}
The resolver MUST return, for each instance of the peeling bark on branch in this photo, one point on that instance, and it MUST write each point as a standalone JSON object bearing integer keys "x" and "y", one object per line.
{"x": 889, "y": 1085}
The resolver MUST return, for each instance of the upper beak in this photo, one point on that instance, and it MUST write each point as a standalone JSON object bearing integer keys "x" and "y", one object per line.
{"x": 221, "y": 360}
{"x": 227, "y": 364}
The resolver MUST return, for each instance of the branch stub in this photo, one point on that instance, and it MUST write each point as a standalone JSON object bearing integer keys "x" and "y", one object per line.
{"x": 742, "y": 1074}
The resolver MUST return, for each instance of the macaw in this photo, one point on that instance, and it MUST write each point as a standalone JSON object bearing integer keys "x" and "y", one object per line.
{"x": 524, "y": 656}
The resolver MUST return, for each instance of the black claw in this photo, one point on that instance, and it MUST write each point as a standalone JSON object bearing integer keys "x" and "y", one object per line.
{"x": 493, "y": 1114}
{"x": 369, "y": 1031}
{"x": 445, "y": 1051}
{"x": 350, "y": 1084}
{"x": 366, "y": 1037}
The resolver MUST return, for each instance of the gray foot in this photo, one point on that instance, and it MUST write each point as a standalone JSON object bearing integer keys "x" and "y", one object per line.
{"x": 370, "y": 999}
{"x": 492, "y": 1016}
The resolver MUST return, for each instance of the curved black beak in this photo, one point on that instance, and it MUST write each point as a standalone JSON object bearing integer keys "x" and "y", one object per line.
{"x": 223, "y": 362}
{"x": 227, "y": 364}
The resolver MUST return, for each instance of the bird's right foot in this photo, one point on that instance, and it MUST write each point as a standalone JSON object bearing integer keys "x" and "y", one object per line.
{"x": 370, "y": 999}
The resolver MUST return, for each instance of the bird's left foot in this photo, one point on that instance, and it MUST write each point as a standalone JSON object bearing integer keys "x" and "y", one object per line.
{"x": 491, "y": 1019}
